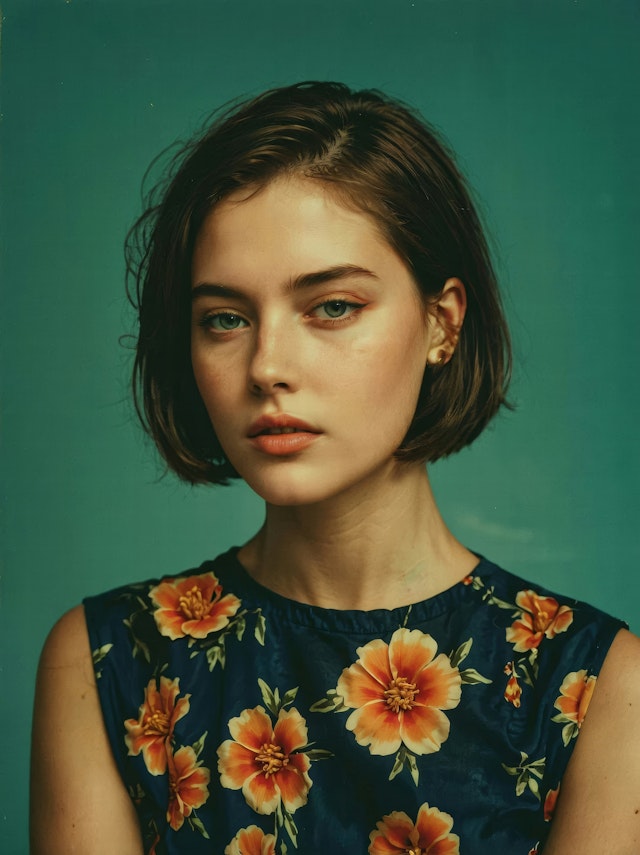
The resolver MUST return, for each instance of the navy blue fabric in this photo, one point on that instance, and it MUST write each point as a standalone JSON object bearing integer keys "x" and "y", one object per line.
{"x": 508, "y": 744}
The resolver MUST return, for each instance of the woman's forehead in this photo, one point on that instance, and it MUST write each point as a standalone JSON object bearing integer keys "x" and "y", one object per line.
{"x": 289, "y": 218}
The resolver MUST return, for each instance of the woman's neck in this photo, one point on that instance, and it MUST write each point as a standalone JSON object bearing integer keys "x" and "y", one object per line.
{"x": 384, "y": 548}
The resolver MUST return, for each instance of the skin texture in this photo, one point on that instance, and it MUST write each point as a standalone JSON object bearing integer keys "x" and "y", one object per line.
{"x": 78, "y": 801}
{"x": 345, "y": 353}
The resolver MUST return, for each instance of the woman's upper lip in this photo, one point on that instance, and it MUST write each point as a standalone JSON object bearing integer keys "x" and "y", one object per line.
{"x": 265, "y": 424}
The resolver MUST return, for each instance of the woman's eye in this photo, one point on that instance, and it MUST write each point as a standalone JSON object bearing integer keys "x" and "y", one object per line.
{"x": 224, "y": 322}
{"x": 336, "y": 309}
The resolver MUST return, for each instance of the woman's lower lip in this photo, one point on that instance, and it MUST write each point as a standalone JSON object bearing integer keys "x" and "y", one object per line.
{"x": 282, "y": 444}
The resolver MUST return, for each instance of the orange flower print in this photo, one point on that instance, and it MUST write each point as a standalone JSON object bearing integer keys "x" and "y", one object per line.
{"x": 550, "y": 803}
{"x": 193, "y": 606}
{"x": 513, "y": 691}
{"x": 153, "y": 728}
{"x": 252, "y": 841}
{"x": 188, "y": 785}
{"x": 398, "y": 691}
{"x": 574, "y": 699}
{"x": 431, "y": 835}
{"x": 265, "y": 760}
{"x": 542, "y": 617}
{"x": 575, "y": 696}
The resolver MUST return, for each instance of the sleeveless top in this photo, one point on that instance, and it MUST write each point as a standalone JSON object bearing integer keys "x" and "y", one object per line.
{"x": 246, "y": 723}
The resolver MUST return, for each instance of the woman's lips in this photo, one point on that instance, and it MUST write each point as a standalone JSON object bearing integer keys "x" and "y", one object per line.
{"x": 281, "y": 435}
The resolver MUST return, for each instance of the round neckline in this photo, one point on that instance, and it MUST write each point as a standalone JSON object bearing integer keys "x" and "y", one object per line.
{"x": 256, "y": 596}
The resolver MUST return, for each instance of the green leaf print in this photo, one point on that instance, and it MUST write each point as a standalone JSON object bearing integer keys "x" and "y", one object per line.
{"x": 261, "y": 628}
{"x": 98, "y": 655}
{"x": 332, "y": 702}
{"x": 198, "y": 745}
{"x": 527, "y": 774}
{"x": 196, "y": 825}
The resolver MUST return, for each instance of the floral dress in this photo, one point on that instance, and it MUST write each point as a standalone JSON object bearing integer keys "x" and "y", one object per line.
{"x": 245, "y": 723}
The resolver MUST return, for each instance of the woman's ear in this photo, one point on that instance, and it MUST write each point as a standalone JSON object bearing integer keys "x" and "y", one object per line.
{"x": 446, "y": 317}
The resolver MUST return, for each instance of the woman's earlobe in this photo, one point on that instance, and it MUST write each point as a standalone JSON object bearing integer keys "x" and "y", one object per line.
{"x": 439, "y": 358}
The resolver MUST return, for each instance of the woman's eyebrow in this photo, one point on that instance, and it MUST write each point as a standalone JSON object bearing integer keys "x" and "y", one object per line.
{"x": 341, "y": 271}
{"x": 304, "y": 280}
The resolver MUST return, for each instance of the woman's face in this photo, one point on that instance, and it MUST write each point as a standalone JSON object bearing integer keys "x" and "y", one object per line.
{"x": 309, "y": 341}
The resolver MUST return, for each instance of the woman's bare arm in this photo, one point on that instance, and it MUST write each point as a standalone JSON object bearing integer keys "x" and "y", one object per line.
{"x": 598, "y": 809}
{"x": 78, "y": 801}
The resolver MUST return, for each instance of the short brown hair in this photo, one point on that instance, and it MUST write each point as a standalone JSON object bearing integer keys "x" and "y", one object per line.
{"x": 381, "y": 159}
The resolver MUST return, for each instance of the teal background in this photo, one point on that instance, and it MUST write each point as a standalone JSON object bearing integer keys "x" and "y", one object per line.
{"x": 540, "y": 102}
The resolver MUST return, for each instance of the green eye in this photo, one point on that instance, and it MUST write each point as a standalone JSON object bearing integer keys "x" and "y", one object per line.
{"x": 225, "y": 322}
{"x": 335, "y": 308}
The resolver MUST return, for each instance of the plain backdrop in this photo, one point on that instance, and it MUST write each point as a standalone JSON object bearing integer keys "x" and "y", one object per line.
{"x": 540, "y": 102}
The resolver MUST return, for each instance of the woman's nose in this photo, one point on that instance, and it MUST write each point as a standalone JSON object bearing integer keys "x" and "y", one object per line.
{"x": 272, "y": 367}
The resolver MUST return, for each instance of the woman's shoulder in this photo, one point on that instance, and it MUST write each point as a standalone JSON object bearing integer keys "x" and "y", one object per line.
{"x": 552, "y": 648}
{"x": 132, "y": 629}
{"x": 75, "y": 787}
{"x": 109, "y": 609}
{"x": 66, "y": 651}
{"x": 140, "y": 588}
{"x": 533, "y": 614}
{"x": 575, "y": 670}
{"x": 83, "y": 634}
{"x": 599, "y": 806}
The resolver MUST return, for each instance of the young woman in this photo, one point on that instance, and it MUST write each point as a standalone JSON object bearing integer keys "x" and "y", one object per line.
{"x": 319, "y": 316}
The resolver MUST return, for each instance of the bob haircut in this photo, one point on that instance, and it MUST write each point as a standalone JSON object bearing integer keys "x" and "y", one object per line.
{"x": 380, "y": 159}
